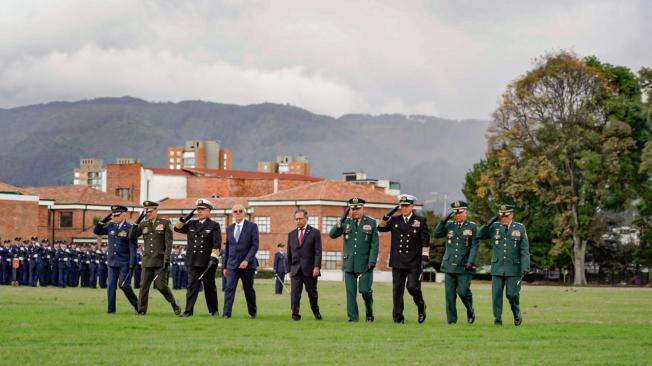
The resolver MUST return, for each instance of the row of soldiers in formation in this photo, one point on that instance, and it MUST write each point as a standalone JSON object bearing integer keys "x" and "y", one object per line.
{"x": 35, "y": 262}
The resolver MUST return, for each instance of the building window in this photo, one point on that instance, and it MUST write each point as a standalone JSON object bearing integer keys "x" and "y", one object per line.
{"x": 327, "y": 223}
{"x": 65, "y": 219}
{"x": 313, "y": 221}
{"x": 178, "y": 166}
{"x": 263, "y": 258}
{"x": 171, "y": 160}
{"x": 332, "y": 260}
{"x": 124, "y": 193}
{"x": 264, "y": 223}
{"x": 171, "y": 166}
{"x": 171, "y": 153}
{"x": 222, "y": 221}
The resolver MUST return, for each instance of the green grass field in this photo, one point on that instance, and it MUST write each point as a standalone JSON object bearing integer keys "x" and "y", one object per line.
{"x": 589, "y": 326}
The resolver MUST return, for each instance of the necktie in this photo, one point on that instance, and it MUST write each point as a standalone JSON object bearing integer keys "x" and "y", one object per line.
{"x": 405, "y": 219}
{"x": 300, "y": 237}
{"x": 357, "y": 222}
{"x": 237, "y": 232}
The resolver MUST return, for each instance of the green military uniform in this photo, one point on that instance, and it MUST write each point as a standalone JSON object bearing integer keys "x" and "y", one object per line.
{"x": 457, "y": 264}
{"x": 157, "y": 238}
{"x": 510, "y": 260}
{"x": 360, "y": 256}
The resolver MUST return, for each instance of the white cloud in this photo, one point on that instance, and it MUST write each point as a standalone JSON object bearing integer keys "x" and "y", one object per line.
{"x": 451, "y": 59}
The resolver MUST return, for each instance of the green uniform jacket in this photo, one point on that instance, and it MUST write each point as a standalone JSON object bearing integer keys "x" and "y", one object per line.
{"x": 157, "y": 238}
{"x": 511, "y": 249}
{"x": 461, "y": 245}
{"x": 360, "y": 243}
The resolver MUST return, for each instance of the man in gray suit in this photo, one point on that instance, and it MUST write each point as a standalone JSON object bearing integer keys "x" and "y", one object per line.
{"x": 304, "y": 262}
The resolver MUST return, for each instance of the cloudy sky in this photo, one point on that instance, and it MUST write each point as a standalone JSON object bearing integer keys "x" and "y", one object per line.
{"x": 445, "y": 58}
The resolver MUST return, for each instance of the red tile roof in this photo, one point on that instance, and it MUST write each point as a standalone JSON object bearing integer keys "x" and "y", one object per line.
{"x": 189, "y": 203}
{"x": 330, "y": 190}
{"x": 8, "y": 188}
{"x": 74, "y": 194}
{"x": 162, "y": 171}
{"x": 250, "y": 175}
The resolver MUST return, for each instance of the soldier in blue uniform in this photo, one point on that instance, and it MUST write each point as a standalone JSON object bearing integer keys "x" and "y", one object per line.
{"x": 24, "y": 263}
{"x": 46, "y": 258}
{"x": 121, "y": 255}
{"x": 183, "y": 271}
{"x": 3, "y": 257}
{"x": 92, "y": 267}
{"x": 102, "y": 270}
{"x": 280, "y": 269}
{"x": 33, "y": 260}
{"x": 84, "y": 266}
{"x": 174, "y": 268}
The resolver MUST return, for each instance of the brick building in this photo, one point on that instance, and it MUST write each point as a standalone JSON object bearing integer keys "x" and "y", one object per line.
{"x": 199, "y": 154}
{"x": 285, "y": 164}
{"x": 64, "y": 211}
{"x": 19, "y": 213}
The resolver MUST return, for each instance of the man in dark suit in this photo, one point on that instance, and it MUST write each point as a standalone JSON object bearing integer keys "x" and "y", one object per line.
{"x": 204, "y": 239}
{"x": 408, "y": 253}
{"x": 280, "y": 269}
{"x": 304, "y": 261}
{"x": 240, "y": 256}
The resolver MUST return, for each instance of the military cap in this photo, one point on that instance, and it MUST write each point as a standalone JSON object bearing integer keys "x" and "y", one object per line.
{"x": 459, "y": 206}
{"x": 406, "y": 200}
{"x": 505, "y": 209}
{"x": 118, "y": 209}
{"x": 356, "y": 202}
{"x": 204, "y": 203}
{"x": 150, "y": 205}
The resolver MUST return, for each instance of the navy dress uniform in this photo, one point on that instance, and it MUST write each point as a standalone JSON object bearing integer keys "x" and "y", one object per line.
{"x": 121, "y": 257}
{"x": 459, "y": 258}
{"x": 204, "y": 241}
{"x": 510, "y": 261}
{"x": 360, "y": 255}
{"x": 102, "y": 271}
{"x": 63, "y": 264}
{"x": 157, "y": 246}
{"x": 280, "y": 269}
{"x": 410, "y": 242}
{"x": 174, "y": 269}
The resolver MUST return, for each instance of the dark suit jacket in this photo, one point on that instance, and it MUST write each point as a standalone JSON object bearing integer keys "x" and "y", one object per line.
{"x": 309, "y": 256}
{"x": 202, "y": 239}
{"x": 245, "y": 248}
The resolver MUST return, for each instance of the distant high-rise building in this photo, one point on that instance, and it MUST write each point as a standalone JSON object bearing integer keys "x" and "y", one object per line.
{"x": 285, "y": 164}
{"x": 199, "y": 154}
{"x": 385, "y": 185}
{"x": 89, "y": 173}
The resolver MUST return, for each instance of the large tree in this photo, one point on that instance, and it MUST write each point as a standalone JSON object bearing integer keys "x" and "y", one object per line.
{"x": 555, "y": 145}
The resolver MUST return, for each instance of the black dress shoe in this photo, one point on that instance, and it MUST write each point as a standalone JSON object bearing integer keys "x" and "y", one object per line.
{"x": 399, "y": 321}
{"x": 140, "y": 312}
{"x": 215, "y": 313}
{"x": 318, "y": 316}
{"x": 353, "y": 320}
{"x": 470, "y": 316}
{"x": 186, "y": 314}
{"x": 176, "y": 308}
{"x": 370, "y": 318}
{"x": 498, "y": 322}
{"x": 252, "y": 316}
{"x": 451, "y": 323}
{"x": 296, "y": 317}
{"x": 226, "y": 316}
{"x": 518, "y": 320}
{"x": 110, "y": 312}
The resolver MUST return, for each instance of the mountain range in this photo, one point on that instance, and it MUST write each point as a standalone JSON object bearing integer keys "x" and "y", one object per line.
{"x": 42, "y": 144}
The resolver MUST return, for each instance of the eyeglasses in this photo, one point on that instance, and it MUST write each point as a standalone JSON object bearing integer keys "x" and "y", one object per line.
{"x": 238, "y": 211}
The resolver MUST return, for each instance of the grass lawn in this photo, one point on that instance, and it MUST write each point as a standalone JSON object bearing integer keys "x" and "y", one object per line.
{"x": 586, "y": 326}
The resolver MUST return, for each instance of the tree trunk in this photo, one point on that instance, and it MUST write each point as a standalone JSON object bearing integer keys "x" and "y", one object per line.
{"x": 579, "y": 252}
